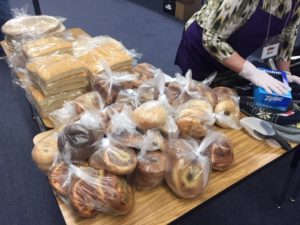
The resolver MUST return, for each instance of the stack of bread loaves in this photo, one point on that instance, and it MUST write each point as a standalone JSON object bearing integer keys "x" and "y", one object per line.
{"x": 56, "y": 78}
{"x": 93, "y": 51}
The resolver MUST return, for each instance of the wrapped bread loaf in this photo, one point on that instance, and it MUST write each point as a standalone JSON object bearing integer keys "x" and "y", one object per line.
{"x": 93, "y": 51}
{"x": 46, "y": 46}
{"x": 194, "y": 118}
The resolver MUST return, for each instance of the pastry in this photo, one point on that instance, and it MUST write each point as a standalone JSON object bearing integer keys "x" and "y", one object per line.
{"x": 58, "y": 176}
{"x": 150, "y": 170}
{"x": 224, "y": 93}
{"x": 221, "y": 154}
{"x": 78, "y": 141}
{"x": 127, "y": 138}
{"x": 144, "y": 72}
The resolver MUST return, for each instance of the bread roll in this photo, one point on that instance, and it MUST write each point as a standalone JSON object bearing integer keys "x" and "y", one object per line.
{"x": 150, "y": 170}
{"x": 150, "y": 115}
{"x": 45, "y": 151}
{"x": 144, "y": 72}
{"x": 78, "y": 141}
{"x": 221, "y": 154}
{"x": 127, "y": 138}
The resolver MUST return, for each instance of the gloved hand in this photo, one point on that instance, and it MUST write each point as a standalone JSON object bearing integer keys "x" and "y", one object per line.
{"x": 292, "y": 78}
{"x": 264, "y": 80}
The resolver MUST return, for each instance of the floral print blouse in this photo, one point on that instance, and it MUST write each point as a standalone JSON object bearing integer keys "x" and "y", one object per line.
{"x": 220, "y": 18}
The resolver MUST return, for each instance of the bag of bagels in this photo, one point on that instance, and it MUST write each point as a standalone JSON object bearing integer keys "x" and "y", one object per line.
{"x": 150, "y": 170}
{"x": 187, "y": 167}
{"x": 227, "y": 110}
{"x": 123, "y": 130}
{"x": 110, "y": 83}
{"x": 185, "y": 88}
{"x": 154, "y": 113}
{"x": 97, "y": 191}
{"x": 116, "y": 159}
{"x": 128, "y": 97}
{"x": 195, "y": 118}
{"x": 79, "y": 139}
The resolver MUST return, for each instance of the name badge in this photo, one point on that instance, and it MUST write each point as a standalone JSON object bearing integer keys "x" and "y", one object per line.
{"x": 270, "y": 51}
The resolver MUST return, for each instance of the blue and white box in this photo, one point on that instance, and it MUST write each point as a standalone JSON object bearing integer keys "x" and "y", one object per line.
{"x": 273, "y": 101}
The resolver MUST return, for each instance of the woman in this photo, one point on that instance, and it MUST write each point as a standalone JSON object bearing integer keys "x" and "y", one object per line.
{"x": 224, "y": 32}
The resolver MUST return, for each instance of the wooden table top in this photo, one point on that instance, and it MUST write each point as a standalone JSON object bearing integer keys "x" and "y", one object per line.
{"x": 161, "y": 206}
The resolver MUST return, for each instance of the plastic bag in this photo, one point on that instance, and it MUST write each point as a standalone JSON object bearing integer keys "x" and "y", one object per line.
{"x": 89, "y": 101}
{"x": 123, "y": 130}
{"x": 170, "y": 128}
{"x": 114, "y": 159}
{"x": 144, "y": 72}
{"x": 220, "y": 152}
{"x": 187, "y": 169}
{"x": 58, "y": 73}
{"x": 80, "y": 138}
{"x": 97, "y": 191}
{"x": 93, "y": 51}
{"x": 227, "y": 111}
{"x": 194, "y": 118}
{"x": 45, "y": 151}
{"x": 150, "y": 170}
{"x": 128, "y": 97}
{"x": 185, "y": 88}
{"x": 153, "y": 114}
{"x": 109, "y": 83}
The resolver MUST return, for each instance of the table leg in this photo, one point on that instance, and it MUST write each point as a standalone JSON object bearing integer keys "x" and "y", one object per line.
{"x": 36, "y": 6}
{"x": 292, "y": 169}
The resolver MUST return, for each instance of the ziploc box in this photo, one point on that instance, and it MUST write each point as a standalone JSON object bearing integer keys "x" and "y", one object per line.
{"x": 273, "y": 101}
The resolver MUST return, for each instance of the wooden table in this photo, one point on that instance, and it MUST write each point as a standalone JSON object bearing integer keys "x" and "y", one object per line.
{"x": 161, "y": 206}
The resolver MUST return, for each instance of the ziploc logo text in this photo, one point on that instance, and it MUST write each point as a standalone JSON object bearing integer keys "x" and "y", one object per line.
{"x": 270, "y": 98}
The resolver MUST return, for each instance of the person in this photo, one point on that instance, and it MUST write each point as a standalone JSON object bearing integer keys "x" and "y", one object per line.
{"x": 223, "y": 33}
{"x": 5, "y": 15}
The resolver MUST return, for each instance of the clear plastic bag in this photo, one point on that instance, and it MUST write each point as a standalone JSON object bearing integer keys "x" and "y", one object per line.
{"x": 144, "y": 72}
{"x": 96, "y": 191}
{"x": 79, "y": 139}
{"x": 58, "y": 73}
{"x": 150, "y": 170}
{"x": 123, "y": 130}
{"x": 194, "y": 118}
{"x": 227, "y": 111}
{"x": 220, "y": 152}
{"x": 114, "y": 159}
{"x": 153, "y": 114}
{"x": 185, "y": 88}
{"x": 128, "y": 97}
{"x": 187, "y": 169}
{"x": 93, "y": 51}
{"x": 89, "y": 101}
{"x": 109, "y": 83}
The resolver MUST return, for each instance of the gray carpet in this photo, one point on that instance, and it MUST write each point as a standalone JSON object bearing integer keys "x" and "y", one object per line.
{"x": 26, "y": 198}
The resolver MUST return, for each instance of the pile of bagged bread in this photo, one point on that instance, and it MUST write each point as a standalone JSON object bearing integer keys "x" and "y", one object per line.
{"x": 133, "y": 132}
{"x": 54, "y": 64}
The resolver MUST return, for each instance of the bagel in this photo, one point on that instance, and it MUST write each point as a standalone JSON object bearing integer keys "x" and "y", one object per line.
{"x": 227, "y": 109}
{"x": 57, "y": 177}
{"x": 224, "y": 93}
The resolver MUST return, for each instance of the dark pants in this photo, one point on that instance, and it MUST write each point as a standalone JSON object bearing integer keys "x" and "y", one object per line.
{"x": 5, "y": 14}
